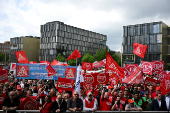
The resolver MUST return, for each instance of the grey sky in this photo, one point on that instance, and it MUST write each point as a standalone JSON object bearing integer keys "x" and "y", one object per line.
{"x": 24, "y": 17}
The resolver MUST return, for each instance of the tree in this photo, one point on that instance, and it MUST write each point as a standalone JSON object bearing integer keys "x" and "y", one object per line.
{"x": 2, "y": 57}
{"x": 87, "y": 58}
{"x": 117, "y": 59}
{"x": 60, "y": 58}
{"x": 72, "y": 62}
{"x": 100, "y": 55}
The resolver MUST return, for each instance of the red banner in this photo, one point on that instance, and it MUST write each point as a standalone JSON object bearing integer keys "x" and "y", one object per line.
{"x": 22, "y": 71}
{"x": 70, "y": 73}
{"x": 150, "y": 81}
{"x": 13, "y": 67}
{"x": 162, "y": 75}
{"x": 165, "y": 84}
{"x": 32, "y": 62}
{"x": 147, "y": 67}
{"x": 114, "y": 79}
{"x": 99, "y": 64}
{"x": 74, "y": 55}
{"x": 112, "y": 65}
{"x": 95, "y": 78}
{"x": 139, "y": 49}
{"x": 136, "y": 77}
{"x": 87, "y": 66}
{"x": 3, "y": 76}
{"x": 65, "y": 84}
{"x": 158, "y": 66}
{"x": 21, "y": 57}
{"x": 131, "y": 67}
{"x": 29, "y": 104}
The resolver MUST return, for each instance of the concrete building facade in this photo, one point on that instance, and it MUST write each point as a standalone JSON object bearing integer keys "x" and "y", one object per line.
{"x": 156, "y": 35}
{"x": 57, "y": 37}
{"x": 5, "y": 47}
{"x": 29, "y": 44}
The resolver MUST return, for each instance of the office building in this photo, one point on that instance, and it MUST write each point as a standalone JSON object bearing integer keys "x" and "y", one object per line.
{"x": 29, "y": 44}
{"x": 57, "y": 37}
{"x": 5, "y": 47}
{"x": 156, "y": 35}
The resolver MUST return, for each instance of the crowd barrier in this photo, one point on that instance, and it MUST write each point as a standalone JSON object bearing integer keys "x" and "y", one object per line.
{"x": 37, "y": 111}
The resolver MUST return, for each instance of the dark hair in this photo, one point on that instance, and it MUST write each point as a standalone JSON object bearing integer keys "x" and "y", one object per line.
{"x": 158, "y": 94}
{"x": 49, "y": 97}
{"x": 35, "y": 91}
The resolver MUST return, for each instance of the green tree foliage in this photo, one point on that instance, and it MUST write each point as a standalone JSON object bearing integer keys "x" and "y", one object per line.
{"x": 100, "y": 55}
{"x": 72, "y": 62}
{"x": 87, "y": 58}
{"x": 60, "y": 58}
{"x": 2, "y": 56}
{"x": 117, "y": 59}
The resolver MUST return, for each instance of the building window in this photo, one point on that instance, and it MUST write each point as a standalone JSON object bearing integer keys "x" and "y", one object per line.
{"x": 136, "y": 30}
{"x": 148, "y": 28}
{"x": 159, "y": 38}
{"x": 130, "y": 31}
{"x": 155, "y": 27}
{"x": 151, "y": 39}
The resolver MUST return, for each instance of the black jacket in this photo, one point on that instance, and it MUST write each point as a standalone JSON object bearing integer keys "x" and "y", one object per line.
{"x": 155, "y": 105}
{"x": 63, "y": 106}
{"x": 72, "y": 104}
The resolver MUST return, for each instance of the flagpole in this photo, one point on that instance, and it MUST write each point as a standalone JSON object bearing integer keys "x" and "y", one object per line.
{"x": 76, "y": 61}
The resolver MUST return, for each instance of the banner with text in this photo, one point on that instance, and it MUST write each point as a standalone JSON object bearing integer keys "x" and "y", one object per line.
{"x": 38, "y": 71}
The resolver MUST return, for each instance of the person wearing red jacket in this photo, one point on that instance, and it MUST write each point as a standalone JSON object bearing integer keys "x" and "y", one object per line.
{"x": 46, "y": 108}
{"x": 90, "y": 103}
{"x": 2, "y": 97}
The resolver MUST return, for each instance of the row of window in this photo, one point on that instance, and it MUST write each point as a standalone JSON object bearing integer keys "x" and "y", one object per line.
{"x": 147, "y": 39}
{"x": 141, "y": 29}
{"x": 50, "y": 27}
{"x": 17, "y": 40}
{"x": 4, "y": 46}
{"x": 3, "y": 50}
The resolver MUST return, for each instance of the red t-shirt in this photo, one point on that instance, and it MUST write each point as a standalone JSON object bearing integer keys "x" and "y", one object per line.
{"x": 53, "y": 98}
{"x": 2, "y": 97}
{"x": 123, "y": 101}
{"x": 105, "y": 105}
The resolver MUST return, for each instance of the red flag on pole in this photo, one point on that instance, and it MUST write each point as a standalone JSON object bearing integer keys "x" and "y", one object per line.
{"x": 87, "y": 66}
{"x": 50, "y": 70}
{"x": 147, "y": 67}
{"x": 135, "y": 77}
{"x": 74, "y": 55}
{"x": 165, "y": 84}
{"x": 112, "y": 65}
{"x": 21, "y": 57}
{"x": 139, "y": 49}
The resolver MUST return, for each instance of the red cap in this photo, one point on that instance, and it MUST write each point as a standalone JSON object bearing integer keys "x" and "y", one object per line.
{"x": 110, "y": 87}
{"x": 19, "y": 87}
{"x": 130, "y": 101}
{"x": 60, "y": 91}
{"x": 11, "y": 83}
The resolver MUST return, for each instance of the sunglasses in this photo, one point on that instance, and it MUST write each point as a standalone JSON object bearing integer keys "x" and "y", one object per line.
{"x": 90, "y": 95}
{"x": 75, "y": 94}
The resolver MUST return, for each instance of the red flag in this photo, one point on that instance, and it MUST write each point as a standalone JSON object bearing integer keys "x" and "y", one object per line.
{"x": 147, "y": 67}
{"x": 131, "y": 67}
{"x": 87, "y": 66}
{"x": 99, "y": 64}
{"x": 45, "y": 62}
{"x": 165, "y": 84}
{"x": 158, "y": 66}
{"x": 3, "y": 76}
{"x": 65, "y": 84}
{"x": 21, "y": 57}
{"x": 139, "y": 49}
{"x": 135, "y": 77}
{"x": 50, "y": 70}
{"x": 162, "y": 75}
{"x": 74, "y": 55}
{"x": 112, "y": 65}
{"x": 70, "y": 73}
{"x": 29, "y": 104}
{"x": 55, "y": 62}
{"x": 13, "y": 67}
{"x": 126, "y": 72}
{"x": 114, "y": 79}
{"x": 1, "y": 68}
{"x": 32, "y": 62}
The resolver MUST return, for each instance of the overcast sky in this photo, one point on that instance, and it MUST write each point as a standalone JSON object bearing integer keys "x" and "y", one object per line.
{"x": 24, "y": 17}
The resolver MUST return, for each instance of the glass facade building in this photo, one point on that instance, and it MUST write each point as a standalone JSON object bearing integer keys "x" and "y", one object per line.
{"x": 57, "y": 37}
{"x": 155, "y": 35}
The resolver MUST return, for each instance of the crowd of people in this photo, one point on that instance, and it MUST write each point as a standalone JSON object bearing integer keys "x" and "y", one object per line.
{"x": 120, "y": 97}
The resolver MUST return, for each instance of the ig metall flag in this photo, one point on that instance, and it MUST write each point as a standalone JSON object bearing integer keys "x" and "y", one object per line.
{"x": 79, "y": 73}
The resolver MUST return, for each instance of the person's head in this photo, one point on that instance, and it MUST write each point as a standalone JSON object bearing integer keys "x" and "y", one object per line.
{"x": 139, "y": 88}
{"x": 158, "y": 90}
{"x": 167, "y": 94}
{"x": 48, "y": 98}
{"x": 75, "y": 95}
{"x": 126, "y": 93}
{"x": 53, "y": 92}
{"x": 59, "y": 97}
{"x": 118, "y": 99}
{"x": 81, "y": 92}
{"x": 146, "y": 94}
{"x": 66, "y": 96}
{"x": 12, "y": 95}
{"x": 29, "y": 94}
{"x": 23, "y": 81}
{"x": 121, "y": 93}
{"x": 135, "y": 88}
{"x": 110, "y": 89}
{"x": 158, "y": 96}
{"x": 131, "y": 102}
{"x": 106, "y": 95}
{"x": 151, "y": 88}
{"x": 89, "y": 96}
{"x": 136, "y": 95}
{"x": 34, "y": 86}
{"x": 19, "y": 91}
{"x": 92, "y": 87}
